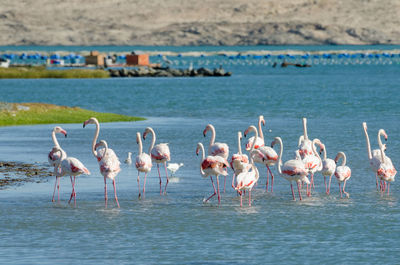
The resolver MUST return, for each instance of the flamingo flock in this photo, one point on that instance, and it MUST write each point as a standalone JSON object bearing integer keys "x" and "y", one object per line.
{"x": 214, "y": 163}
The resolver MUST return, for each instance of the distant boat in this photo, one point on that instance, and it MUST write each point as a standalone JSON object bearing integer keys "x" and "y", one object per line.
{"x": 5, "y": 63}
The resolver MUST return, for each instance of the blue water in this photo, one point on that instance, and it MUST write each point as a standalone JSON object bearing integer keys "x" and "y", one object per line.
{"x": 179, "y": 228}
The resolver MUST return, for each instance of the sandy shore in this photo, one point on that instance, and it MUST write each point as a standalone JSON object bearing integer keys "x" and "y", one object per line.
{"x": 208, "y": 22}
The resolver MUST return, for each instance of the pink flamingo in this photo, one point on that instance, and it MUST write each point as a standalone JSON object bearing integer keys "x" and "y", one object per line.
{"x": 328, "y": 169}
{"x": 159, "y": 154}
{"x": 386, "y": 171}
{"x": 263, "y": 155}
{"x": 375, "y": 157}
{"x": 247, "y": 178}
{"x": 72, "y": 167}
{"x": 260, "y": 139}
{"x": 291, "y": 170}
{"x": 216, "y": 148}
{"x": 54, "y": 157}
{"x": 305, "y": 148}
{"x": 143, "y": 163}
{"x": 312, "y": 163}
{"x": 108, "y": 160}
{"x": 212, "y": 166}
{"x": 239, "y": 161}
{"x": 342, "y": 173}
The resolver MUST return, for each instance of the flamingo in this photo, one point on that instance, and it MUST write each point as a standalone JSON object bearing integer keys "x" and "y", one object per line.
{"x": 239, "y": 161}
{"x": 54, "y": 157}
{"x": 374, "y": 157}
{"x": 143, "y": 163}
{"x": 246, "y": 179}
{"x": 312, "y": 163}
{"x": 108, "y": 160}
{"x": 291, "y": 170}
{"x": 173, "y": 167}
{"x": 260, "y": 139}
{"x": 216, "y": 148}
{"x": 342, "y": 173}
{"x": 305, "y": 148}
{"x": 328, "y": 169}
{"x": 128, "y": 160}
{"x": 386, "y": 171}
{"x": 159, "y": 154}
{"x": 263, "y": 155}
{"x": 73, "y": 167}
{"x": 212, "y": 166}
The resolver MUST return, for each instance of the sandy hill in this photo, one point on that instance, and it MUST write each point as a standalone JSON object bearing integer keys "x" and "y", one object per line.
{"x": 201, "y": 22}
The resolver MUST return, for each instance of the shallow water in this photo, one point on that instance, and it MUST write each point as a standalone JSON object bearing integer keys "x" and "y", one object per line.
{"x": 179, "y": 228}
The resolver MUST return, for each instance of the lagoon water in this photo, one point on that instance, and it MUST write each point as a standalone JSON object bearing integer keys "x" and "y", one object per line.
{"x": 179, "y": 228}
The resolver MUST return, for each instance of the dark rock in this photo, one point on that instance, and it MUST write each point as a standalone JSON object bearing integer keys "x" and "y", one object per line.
{"x": 123, "y": 72}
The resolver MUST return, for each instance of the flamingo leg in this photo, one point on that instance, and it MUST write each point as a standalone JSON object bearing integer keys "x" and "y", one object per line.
{"x": 105, "y": 191}
{"x": 58, "y": 190}
{"x": 272, "y": 179}
{"x": 224, "y": 183}
{"x": 298, "y": 188}
{"x": 233, "y": 180}
{"x": 291, "y": 187}
{"x": 326, "y": 186}
{"x": 215, "y": 191}
{"x": 115, "y": 193}
{"x": 72, "y": 193}
{"x": 241, "y": 199}
{"x": 340, "y": 189}
{"x": 266, "y": 184}
{"x": 344, "y": 186}
{"x": 312, "y": 182}
{"x": 54, "y": 192}
{"x": 249, "y": 197}
{"x": 138, "y": 183}
{"x": 144, "y": 184}
{"x": 329, "y": 185}
{"x": 376, "y": 176}
{"x": 219, "y": 195}
{"x": 388, "y": 188}
{"x": 166, "y": 173}
{"x": 159, "y": 175}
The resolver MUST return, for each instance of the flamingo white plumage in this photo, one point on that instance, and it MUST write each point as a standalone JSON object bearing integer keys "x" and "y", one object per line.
{"x": 342, "y": 173}
{"x": 260, "y": 139}
{"x": 73, "y": 167}
{"x": 108, "y": 160}
{"x": 263, "y": 155}
{"x": 312, "y": 163}
{"x": 328, "y": 169}
{"x": 212, "y": 166}
{"x": 159, "y": 153}
{"x": 386, "y": 171}
{"x": 143, "y": 163}
{"x": 54, "y": 157}
{"x": 216, "y": 148}
{"x": 239, "y": 161}
{"x": 305, "y": 147}
{"x": 291, "y": 170}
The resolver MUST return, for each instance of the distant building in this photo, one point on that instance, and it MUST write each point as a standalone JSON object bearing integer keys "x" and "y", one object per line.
{"x": 137, "y": 59}
{"x": 95, "y": 58}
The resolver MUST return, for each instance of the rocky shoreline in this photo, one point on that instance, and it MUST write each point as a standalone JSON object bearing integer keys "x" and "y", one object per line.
{"x": 16, "y": 173}
{"x": 167, "y": 72}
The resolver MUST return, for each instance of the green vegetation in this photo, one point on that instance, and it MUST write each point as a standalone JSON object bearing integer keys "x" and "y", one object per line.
{"x": 39, "y": 113}
{"x": 42, "y": 72}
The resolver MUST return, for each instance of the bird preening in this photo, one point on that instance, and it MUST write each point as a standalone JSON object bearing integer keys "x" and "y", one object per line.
{"x": 301, "y": 170}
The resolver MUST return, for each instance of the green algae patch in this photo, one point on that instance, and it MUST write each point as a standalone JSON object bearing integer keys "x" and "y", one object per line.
{"x": 41, "y": 113}
{"x": 42, "y": 72}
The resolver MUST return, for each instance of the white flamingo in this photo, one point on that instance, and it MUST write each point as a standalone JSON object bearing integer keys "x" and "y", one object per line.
{"x": 54, "y": 157}
{"x": 291, "y": 170}
{"x": 386, "y": 171}
{"x": 160, "y": 154}
{"x": 263, "y": 155}
{"x": 260, "y": 139}
{"x": 212, "y": 166}
{"x": 73, "y": 167}
{"x": 305, "y": 148}
{"x": 312, "y": 163}
{"x": 328, "y": 169}
{"x": 239, "y": 161}
{"x": 143, "y": 163}
{"x": 342, "y": 173}
{"x": 108, "y": 160}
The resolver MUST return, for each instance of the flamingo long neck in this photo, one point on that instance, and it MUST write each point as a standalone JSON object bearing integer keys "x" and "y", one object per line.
{"x": 212, "y": 140}
{"x": 380, "y": 133}
{"x": 368, "y": 144}
{"x": 200, "y": 145}
{"x": 239, "y": 145}
{"x": 315, "y": 150}
{"x": 344, "y": 158}
{"x": 105, "y": 149}
{"x": 153, "y": 139}
{"x": 305, "y": 129}
{"x": 324, "y": 153}
{"x": 301, "y": 139}
{"x": 252, "y": 128}
{"x": 53, "y": 136}
{"x": 140, "y": 144}
{"x": 280, "y": 156}
{"x": 96, "y": 135}
{"x": 261, "y": 135}
{"x": 382, "y": 154}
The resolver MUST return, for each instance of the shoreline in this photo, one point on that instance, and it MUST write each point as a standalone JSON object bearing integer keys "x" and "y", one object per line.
{"x": 18, "y": 173}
